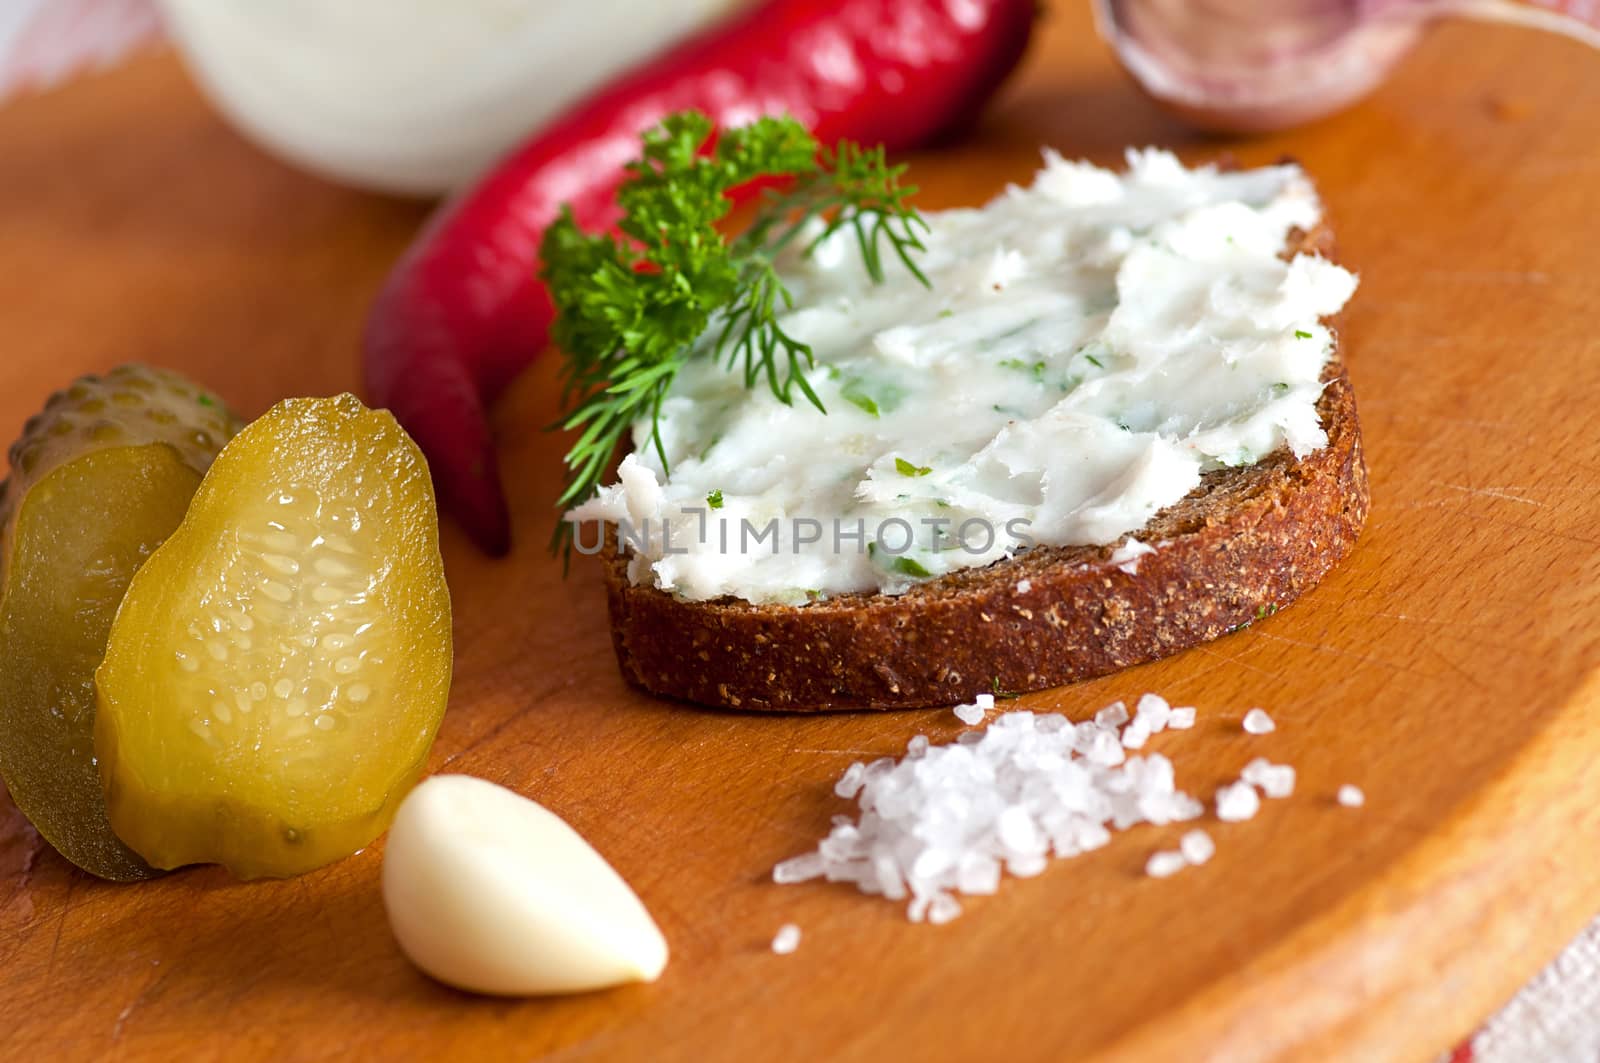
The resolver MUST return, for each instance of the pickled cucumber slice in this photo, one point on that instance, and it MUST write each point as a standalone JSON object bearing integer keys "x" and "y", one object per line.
{"x": 278, "y": 668}
{"x": 98, "y": 480}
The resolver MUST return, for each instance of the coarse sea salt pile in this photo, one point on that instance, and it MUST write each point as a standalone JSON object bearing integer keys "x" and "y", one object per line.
{"x": 950, "y": 819}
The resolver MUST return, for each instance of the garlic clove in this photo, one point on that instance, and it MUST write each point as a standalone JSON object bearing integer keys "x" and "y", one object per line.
{"x": 491, "y": 892}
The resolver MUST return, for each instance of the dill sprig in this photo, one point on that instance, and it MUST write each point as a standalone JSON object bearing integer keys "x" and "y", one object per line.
{"x": 633, "y": 308}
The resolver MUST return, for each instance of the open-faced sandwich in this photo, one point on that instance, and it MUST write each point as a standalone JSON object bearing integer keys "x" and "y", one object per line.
{"x": 1099, "y": 420}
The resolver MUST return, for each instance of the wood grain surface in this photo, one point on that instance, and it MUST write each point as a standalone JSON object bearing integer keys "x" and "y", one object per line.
{"x": 1448, "y": 669}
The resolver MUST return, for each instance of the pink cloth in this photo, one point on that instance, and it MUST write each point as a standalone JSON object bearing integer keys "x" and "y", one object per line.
{"x": 43, "y": 42}
{"x": 1555, "y": 1019}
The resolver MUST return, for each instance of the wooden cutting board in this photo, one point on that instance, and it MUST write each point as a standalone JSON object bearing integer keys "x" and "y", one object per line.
{"x": 1448, "y": 669}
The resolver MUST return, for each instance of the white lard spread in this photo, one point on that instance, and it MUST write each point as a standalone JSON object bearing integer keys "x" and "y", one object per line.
{"x": 1087, "y": 348}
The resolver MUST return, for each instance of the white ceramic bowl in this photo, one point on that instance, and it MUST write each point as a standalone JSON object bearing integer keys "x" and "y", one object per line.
{"x": 413, "y": 96}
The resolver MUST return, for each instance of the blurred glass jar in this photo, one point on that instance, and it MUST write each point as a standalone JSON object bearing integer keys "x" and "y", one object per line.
{"x": 413, "y": 96}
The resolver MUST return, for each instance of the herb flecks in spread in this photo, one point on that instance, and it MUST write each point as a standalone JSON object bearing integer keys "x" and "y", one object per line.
{"x": 632, "y": 312}
{"x": 1088, "y": 348}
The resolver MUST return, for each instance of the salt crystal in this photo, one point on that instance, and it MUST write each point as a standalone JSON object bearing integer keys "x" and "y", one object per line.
{"x": 1106, "y": 749}
{"x": 1113, "y": 715}
{"x": 849, "y": 783}
{"x": 840, "y": 869}
{"x": 1093, "y": 836}
{"x": 1154, "y": 808}
{"x": 943, "y": 908}
{"x": 984, "y": 701}
{"x": 1127, "y": 812}
{"x": 886, "y": 876}
{"x": 1155, "y": 711}
{"x": 971, "y": 715}
{"x": 1275, "y": 780}
{"x": 1017, "y": 833}
{"x": 1159, "y": 774}
{"x": 917, "y": 746}
{"x": 1025, "y": 866}
{"x": 786, "y": 940}
{"x": 1257, "y": 722}
{"x": 1181, "y": 719}
{"x": 978, "y": 874}
{"x": 841, "y": 844}
{"x": 1018, "y": 720}
{"x": 1164, "y": 863}
{"x": 798, "y": 869}
{"x": 930, "y": 864}
{"x": 1351, "y": 796}
{"x": 1136, "y": 734}
{"x": 1197, "y": 847}
{"x": 1024, "y": 586}
{"x": 1237, "y": 802}
{"x": 1185, "y": 808}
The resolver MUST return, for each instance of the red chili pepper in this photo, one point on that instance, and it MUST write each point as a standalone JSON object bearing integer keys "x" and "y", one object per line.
{"x": 464, "y": 312}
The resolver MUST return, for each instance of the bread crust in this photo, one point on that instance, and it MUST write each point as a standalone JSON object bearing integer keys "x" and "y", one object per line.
{"x": 1243, "y": 544}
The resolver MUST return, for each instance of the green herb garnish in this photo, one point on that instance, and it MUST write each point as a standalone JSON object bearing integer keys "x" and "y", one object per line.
{"x": 1261, "y": 614}
{"x": 1000, "y": 693}
{"x": 632, "y": 308}
{"x": 910, "y": 567}
{"x": 885, "y": 397}
{"x": 905, "y": 468}
{"x": 904, "y": 565}
{"x": 714, "y": 499}
{"x": 1301, "y": 334}
{"x": 863, "y": 401}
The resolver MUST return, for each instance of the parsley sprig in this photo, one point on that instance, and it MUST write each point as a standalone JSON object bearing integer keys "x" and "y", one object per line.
{"x": 633, "y": 308}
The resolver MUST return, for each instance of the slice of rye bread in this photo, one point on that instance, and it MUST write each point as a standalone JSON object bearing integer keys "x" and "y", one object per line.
{"x": 1244, "y": 543}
